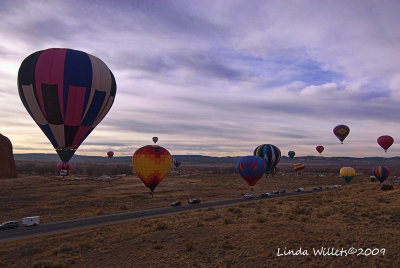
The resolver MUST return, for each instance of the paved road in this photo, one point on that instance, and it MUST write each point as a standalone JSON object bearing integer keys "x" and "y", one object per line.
{"x": 84, "y": 223}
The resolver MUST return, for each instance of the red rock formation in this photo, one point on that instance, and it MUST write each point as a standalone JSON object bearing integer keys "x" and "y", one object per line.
{"x": 7, "y": 163}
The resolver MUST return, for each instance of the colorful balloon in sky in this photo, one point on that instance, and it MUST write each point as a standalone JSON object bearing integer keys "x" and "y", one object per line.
{"x": 341, "y": 132}
{"x": 110, "y": 154}
{"x": 298, "y": 168}
{"x": 385, "y": 141}
{"x": 381, "y": 173}
{"x": 271, "y": 155}
{"x": 152, "y": 163}
{"x": 67, "y": 92}
{"x": 155, "y": 139}
{"x": 320, "y": 148}
{"x": 251, "y": 168}
{"x": 176, "y": 162}
{"x": 64, "y": 166}
{"x": 291, "y": 154}
{"x": 347, "y": 173}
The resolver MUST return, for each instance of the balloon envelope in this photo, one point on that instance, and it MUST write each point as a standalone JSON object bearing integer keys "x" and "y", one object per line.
{"x": 341, "y": 132}
{"x": 385, "y": 142}
{"x": 64, "y": 166}
{"x": 298, "y": 168}
{"x": 271, "y": 155}
{"x": 176, "y": 162}
{"x": 110, "y": 154}
{"x": 155, "y": 139}
{"x": 320, "y": 148}
{"x": 251, "y": 168}
{"x": 347, "y": 173}
{"x": 381, "y": 173}
{"x": 67, "y": 93}
{"x": 291, "y": 154}
{"x": 152, "y": 163}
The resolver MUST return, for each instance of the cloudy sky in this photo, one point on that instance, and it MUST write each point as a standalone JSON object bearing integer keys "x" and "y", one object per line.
{"x": 219, "y": 77}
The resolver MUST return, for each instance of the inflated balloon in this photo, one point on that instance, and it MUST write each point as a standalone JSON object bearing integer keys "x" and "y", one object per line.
{"x": 381, "y": 173}
{"x": 320, "y": 148}
{"x": 155, "y": 139}
{"x": 152, "y": 163}
{"x": 347, "y": 173}
{"x": 176, "y": 162}
{"x": 64, "y": 166}
{"x": 298, "y": 168}
{"x": 291, "y": 154}
{"x": 251, "y": 168}
{"x": 385, "y": 142}
{"x": 341, "y": 132}
{"x": 110, "y": 154}
{"x": 67, "y": 92}
{"x": 271, "y": 155}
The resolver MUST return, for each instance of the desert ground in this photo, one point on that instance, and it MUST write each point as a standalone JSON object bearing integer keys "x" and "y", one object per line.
{"x": 358, "y": 215}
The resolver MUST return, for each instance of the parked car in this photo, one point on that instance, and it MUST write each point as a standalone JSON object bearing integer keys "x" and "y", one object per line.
{"x": 264, "y": 195}
{"x": 248, "y": 196}
{"x": 317, "y": 188}
{"x": 31, "y": 221}
{"x": 275, "y": 192}
{"x": 299, "y": 190}
{"x": 9, "y": 225}
{"x": 194, "y": 201}
{"x": 282, "y": 191}
{"x": 176, "y": 204}
{"x": 337, "y": 186}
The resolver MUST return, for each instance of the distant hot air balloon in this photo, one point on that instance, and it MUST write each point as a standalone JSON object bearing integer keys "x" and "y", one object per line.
{"x": 341, "y": 132}
{"x": 155, "y": 139}
{"x": 152, "y": 163}
{"x": 381, "y": 173}
{"x": 320, "y": 148}
{"x": 251, "y": 168}
{"x": 176, "y": 162}
{"x": 271, "y": 155}
{"x": 385, "y": 142}
{"x": 110, "y": 154}
{"x": 291, "y": 154}
{"x": 347, "y": 173}
{"x": 298, "y": 168}
{"x": 64, "y": 166}
{"x": 67, "y": 92}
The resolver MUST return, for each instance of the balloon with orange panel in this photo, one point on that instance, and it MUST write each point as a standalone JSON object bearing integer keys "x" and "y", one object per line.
{"x": 152, "y": 163}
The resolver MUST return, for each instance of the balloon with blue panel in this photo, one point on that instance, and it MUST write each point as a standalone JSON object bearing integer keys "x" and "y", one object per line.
{"x": 251, "y": 168}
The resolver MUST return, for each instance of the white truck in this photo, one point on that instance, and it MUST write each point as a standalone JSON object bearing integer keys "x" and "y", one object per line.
{"x": 31, "y": 221}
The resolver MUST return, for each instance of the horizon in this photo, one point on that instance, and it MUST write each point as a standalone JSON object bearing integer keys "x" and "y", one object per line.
{"x": 282, "y": 73}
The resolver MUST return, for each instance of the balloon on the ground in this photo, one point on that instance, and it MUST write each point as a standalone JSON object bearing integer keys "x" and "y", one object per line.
{"x": 176, "y": 162}
{"x": 64, "y": 166}
{"x": 251, "y": 168}
{"x": 152, "y": 163}
{"x": 110, "y": 154}
{"x": 341, "y": 132}
{"x": 271, "y": 155}
{"x": 67, "y": 93}
{"x": 347, "y": 173}
{"x": 381, "y": 173}
{"x": 291, "y": 154}
{"x": 298, "y": 168}
{"x": 320, "y": 148}
{"x": 385, "y": 142}
{"x": 155, "y": 139}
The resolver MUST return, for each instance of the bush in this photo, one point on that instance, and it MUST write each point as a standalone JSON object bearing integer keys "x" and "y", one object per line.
{"x": 387, "y": 187}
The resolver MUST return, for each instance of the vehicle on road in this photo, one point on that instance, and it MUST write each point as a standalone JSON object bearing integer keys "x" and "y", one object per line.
{"x": 194, "y": 201}
{"x": 176, "y": 204}
{"x": 317, "y": 188}
{"x": 337, "y": 186}
{"x": 264, "y": 195}
{"x": 275, "y": 192}
{"x": 248, "y": 196}
{"x": 282, "y": 191}
{"x": 31, "y": 221}
{"x": 299, "y": 190}
{"x": 9, "y": 225}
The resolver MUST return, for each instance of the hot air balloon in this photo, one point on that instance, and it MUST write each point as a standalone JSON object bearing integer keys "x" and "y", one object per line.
{"x": 298, "y": 168}
{"x": 155, "y": 139}
{"x": 152, "y": 163}
{"x": 341, "y": 132}
{"x": 291, "y": 154}
{"x": 64, "y": 166}
{"x": 110, "y": 154}
{"x": 320, "y": 148}
{"x": 271, "y": 155}
{"x": 385, "y": 142}
{"x": 347, "y": 173}
{"x": 67, "y": 92}
{"x": 381, "y": 173}
{"x": 251, "y": 168}
{"x": 176, "y": 162}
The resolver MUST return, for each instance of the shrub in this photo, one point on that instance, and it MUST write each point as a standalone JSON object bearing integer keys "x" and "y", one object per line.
{"x": 387, "y": 187}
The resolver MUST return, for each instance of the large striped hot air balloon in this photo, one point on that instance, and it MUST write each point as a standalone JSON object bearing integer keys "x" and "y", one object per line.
{"x": 271, "y": 155}
{"x": 67, "y": 92}
{"x": 341, "y": 132}
{"x": 298, "y": 168}
{"x": 251, "y": 168}
{"x": 152, "y": 163}
{"x": 381, "y": 173}
{"x": 347, "y": 173}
